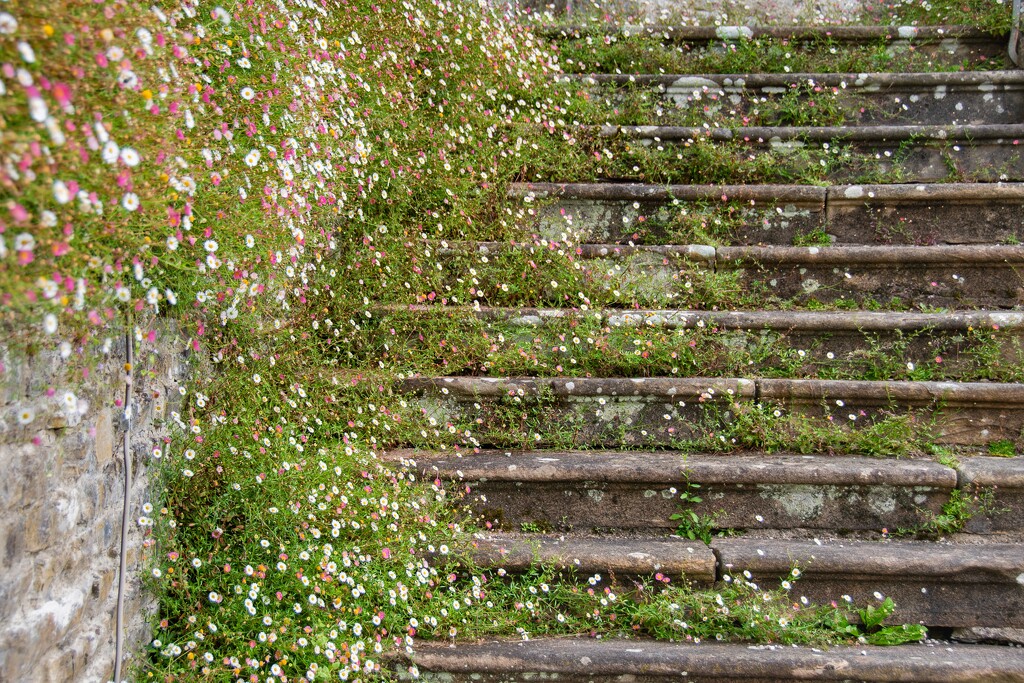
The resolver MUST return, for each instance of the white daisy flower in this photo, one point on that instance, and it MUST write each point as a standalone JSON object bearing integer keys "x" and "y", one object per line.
{"x": 248, "y": 93}
{"x": 252, "y": 158}
{"x": 38, "y": 110}
{"x": 8, "y": 24}
{"x": 61, "y": 192}
{"x": 24, "y": 242}
{"x": 26, "y": 52}
{"x": 130, "y": 157}
{"x": 111, "y": 152}
{"x": 49, "y": 323}
{"x": 130, "y": 201}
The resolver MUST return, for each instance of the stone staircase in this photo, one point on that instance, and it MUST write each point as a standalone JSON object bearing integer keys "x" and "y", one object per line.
{"x": 905, "y": 310}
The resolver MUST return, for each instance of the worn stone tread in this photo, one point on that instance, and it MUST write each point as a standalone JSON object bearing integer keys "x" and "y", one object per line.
{"x": 578, "y": 659}
{"x": 672, "y": 387}
{"x": 597, "y": 554}
{"x": 668, "y": 468}
{"x": 852, "y": 256}
{"x": 853, "y": 81}
{"x": 950, "y": 393}
{"x": 819, "y": 321}
{"x": 912, "y": 192}
{"x": 1007, "y": 133}
{"x": 991, "y": 471}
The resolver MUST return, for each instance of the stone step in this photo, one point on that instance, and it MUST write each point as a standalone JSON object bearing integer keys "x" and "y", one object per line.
{"x": 937, "y": 584}
{"x": 986, "y": 345}
{"x": 947, "y": 213}
{"x": 948, "y": 276}
{"x": 1003, "y": 479}
{"x": 663, "y": 411}
{"x": 609, "y": 556}
{"x": 923, "y": 35}
{"x": 947, "y": 38}
{"x": 601, "y": 490}
{"x": 913, "y": 153}
{"x": 930, "y": 98}
{"x": 951, "y": 48}
{"x": 606, "y": 660}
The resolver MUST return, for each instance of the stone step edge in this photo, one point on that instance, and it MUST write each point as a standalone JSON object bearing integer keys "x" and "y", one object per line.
{"x": 840, "y": 34}
{"x": 666, "y": 466}
{"x": 746, "y": 81}
{"x": 590, "y": 554}
{"x": 999, "y": 133}
{"x": 708, "y": 389}
{"x": 672, "y": 468}
{"x": 961, "y": 563}
{"x": 732, "y": 257}
{"x": 790, "y": 321}
{"x": 585, "y": 659}
{"x": 801, "y": 195}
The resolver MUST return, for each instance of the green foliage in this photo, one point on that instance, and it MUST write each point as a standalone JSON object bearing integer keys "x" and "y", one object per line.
{"x": 692, "y": 525}
{"x": 994, "y": 16}
{"x": 1004, "y": 448}
{"x": 875, "y": 632}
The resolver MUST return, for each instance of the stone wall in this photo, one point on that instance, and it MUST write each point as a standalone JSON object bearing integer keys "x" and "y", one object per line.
{"x": 61, "y": 496}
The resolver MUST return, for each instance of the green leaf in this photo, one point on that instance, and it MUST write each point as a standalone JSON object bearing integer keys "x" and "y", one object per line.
{"x": 897, "y": 635}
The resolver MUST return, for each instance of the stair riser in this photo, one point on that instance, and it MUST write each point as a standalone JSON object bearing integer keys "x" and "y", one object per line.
{"x": 865, "y": 221}
{"x": 628, "y": 422}
{"x": 927, "y": 601}
{"x": 641, "y": 420}
{"x": 600, "y": 505}
{"x": 996, "y": 285}
{"x": 938, "y": 105}
{"x": 774, "y": 353}
{"x": 1007, "y": 515}
{"x": 920, "y": 161}
{"x": 611, "y": 222}
{"x": 646, "y": 276}
{"x": 854, "y": 221}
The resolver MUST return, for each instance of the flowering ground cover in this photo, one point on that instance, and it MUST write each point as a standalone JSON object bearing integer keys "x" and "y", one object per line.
{"x": 268, "y": 174}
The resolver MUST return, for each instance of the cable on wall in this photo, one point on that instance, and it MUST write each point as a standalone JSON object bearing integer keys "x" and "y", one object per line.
{"x": 123, "y": 556}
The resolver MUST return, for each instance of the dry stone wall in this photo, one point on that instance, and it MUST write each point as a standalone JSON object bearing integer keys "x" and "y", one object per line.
{"x": 61, "y": 494}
